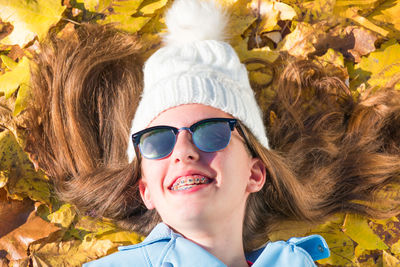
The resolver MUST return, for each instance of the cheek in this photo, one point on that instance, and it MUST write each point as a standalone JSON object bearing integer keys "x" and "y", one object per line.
{"x": 153, "y": 171}
{"x": 234, "y": 164}
{"x": 242, "y": 160}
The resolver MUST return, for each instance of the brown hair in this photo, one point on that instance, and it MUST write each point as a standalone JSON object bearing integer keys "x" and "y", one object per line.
{"x": 330, "y": 153}
{"x": 85, "y": 94}
{"x": 349, "y": 146}
{"x": 282, "y": 198}
{"x": 85, "y": 90}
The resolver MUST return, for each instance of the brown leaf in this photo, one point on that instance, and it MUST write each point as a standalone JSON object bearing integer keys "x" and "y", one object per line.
{"x": 387, "y": 230}
{"x": 16, "y": 242}
{"x": 13, "y": 213}
{"x": 5, "y": 29}
{"x": 364, "y": 42}
{"x": 353, "y": 42}
{"x": 369, "y": 257}
{"x": 16, "y": 53}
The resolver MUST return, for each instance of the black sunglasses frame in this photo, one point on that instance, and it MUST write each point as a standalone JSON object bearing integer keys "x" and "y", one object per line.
{"x": 232, "y": 124}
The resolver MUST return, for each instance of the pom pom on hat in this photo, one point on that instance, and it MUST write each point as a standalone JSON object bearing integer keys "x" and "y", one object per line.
{"x": 193, "y": 20}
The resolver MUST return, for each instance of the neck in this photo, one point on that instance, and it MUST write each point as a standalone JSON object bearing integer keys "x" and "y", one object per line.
{"x": 224, "y": 240}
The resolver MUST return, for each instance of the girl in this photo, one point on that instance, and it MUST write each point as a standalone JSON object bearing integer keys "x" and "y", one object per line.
{"x": 201, "y": 171}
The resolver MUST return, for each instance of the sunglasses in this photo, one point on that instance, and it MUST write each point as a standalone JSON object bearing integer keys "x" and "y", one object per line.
{"x": 209, "y": 135}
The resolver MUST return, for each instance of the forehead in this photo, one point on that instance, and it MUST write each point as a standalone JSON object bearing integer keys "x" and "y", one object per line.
{"x": 186, "y": 115}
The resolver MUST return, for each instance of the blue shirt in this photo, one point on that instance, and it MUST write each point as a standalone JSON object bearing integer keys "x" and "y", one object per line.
{"x": 163, "y": 247}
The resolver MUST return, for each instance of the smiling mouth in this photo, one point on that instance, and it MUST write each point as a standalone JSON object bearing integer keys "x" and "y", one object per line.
{"x": 190, "y": 181}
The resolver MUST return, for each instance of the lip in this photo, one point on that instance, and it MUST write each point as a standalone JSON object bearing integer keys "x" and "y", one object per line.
{"x": 188, "y": 173}
{"x": 190, "y": 190}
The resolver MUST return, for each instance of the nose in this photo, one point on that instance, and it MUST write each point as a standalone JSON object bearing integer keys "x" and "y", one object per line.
{"x": 185, "y": 150}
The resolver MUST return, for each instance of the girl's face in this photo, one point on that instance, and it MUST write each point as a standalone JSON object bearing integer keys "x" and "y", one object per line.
{"x": 230, "y": 175}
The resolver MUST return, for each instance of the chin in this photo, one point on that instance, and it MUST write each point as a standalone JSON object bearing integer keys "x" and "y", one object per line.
{"x": 188, "y": 218}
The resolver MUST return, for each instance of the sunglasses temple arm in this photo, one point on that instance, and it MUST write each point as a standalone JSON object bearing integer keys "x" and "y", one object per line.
{"x": 242, "y": 133}
{"x": 137, "y": 152}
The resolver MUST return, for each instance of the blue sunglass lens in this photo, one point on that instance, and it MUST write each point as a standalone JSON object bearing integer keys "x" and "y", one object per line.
{"x": 212, "y": 136}
{"x": 157, "y": 143}
{"x": 209, "y": 136}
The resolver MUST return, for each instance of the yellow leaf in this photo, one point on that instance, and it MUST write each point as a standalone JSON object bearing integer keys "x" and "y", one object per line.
{"x": 299, "y": 43}
{"x": 151, "y": 7}
{"x": 352, "y": 13}
{"x": 11, "y": 64}
{"x": 119, "y": 12}
{"x": 263, "y": 53}
{"x": 121, "y": 237}
{"x": 24, "y": 94}
{"x": 97, "y": 5}
{"x": 97, "y": 226}
{"x": 69, "y": 253}
{"x": 389, "y": 260}
{"x": 332, "y": 57}
{"x": 388, "y": 14}
{"x": 97, "y": 247}
{"x": 260, "y": 78}
{"x": 126, "y": 22}
{"x": 318, "y": 10}
{"x": 64, "y": 216}
{"x": 104, "y": 230}
{"x": 380, "y": 68}
{"x": 3, "y": 179}
{"x": 271, "y": 12}
{"x": 241, "y": 18}
{"x": 227, "y": 3}
{"x": 333, "y": 63}
{"x": 395, "y": 248}
{"x": 357, "y": 228}
{"x": 286, "y": 12}
{"x": 10, "y": 80}
{"x": 23, "y": 179}
{"x": 346, "y": 3}
{"x": 389, "y": 231}
{"x": 340, "y": 245}
{"x": 358, "y": 251}
{"x": 125, "y": 6}
{"x": 269, "y": 22}
{"x": 29, "y": 18}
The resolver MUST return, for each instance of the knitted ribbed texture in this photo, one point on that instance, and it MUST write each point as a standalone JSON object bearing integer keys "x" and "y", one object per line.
{"x": 206, "y": 72}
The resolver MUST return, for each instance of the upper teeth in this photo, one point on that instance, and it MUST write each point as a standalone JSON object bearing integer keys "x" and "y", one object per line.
{"x": 186, "y": 181}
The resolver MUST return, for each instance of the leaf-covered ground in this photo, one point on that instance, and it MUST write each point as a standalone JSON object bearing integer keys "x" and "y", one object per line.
{"x": 358, "y": 40}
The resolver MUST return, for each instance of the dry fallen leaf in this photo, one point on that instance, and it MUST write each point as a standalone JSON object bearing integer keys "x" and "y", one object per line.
{"x": 299, "y": 43}
{"x": 13, "y": 213}
{"x": 29, "y": 18}
{"x": 23, "y": 180}
{"x": 69, "y": 253}
{"x": 16, "y": 242}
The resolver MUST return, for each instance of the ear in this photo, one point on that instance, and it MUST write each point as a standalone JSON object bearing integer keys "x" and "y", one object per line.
{"x": 145, "y": 194}
{"x": 257, "y": 175}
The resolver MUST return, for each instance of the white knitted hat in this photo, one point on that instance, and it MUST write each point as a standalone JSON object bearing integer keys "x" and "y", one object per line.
{"x": 196, "y": 66}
